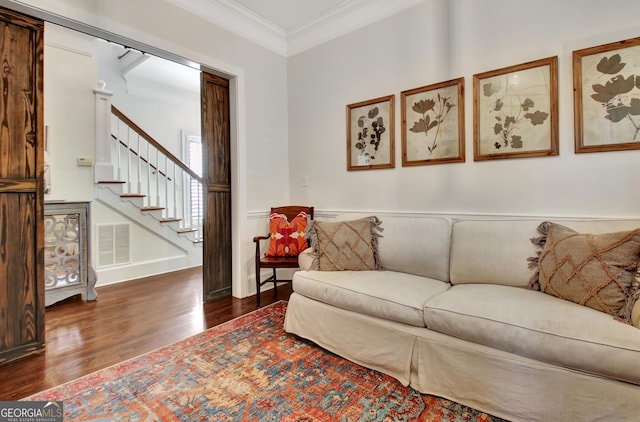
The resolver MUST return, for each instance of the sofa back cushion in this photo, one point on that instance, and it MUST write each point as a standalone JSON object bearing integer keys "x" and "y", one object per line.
{"x": 413, "y": 245}
{"x": 496, "y": 251}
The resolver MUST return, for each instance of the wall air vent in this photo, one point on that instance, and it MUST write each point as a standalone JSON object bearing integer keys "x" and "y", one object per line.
{"x": 114, "y": 244}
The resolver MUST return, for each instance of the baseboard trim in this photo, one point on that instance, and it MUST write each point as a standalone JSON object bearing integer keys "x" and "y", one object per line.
{"x": 119, "y": 274}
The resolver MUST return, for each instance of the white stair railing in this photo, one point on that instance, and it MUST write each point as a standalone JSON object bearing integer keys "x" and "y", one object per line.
{"x": 154, "y": 174}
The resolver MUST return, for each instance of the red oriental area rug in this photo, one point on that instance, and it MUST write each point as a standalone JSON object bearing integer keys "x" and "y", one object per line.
{"x": 248, "y": 369}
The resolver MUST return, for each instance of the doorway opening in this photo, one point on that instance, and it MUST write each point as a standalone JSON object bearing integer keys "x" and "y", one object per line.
{"x": 152, "y": 89}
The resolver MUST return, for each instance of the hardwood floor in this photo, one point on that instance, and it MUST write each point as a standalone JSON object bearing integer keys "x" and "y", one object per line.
{"x": 127, "y": 320}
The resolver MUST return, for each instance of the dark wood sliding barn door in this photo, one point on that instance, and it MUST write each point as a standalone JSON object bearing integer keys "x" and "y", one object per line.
{"x": 216, "y": 143}
{"x": 21, "y": 186}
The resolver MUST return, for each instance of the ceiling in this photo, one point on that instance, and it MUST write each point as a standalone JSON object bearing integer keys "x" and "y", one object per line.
{"x": 289, "y": 27}
{"x": 292, "y": 14}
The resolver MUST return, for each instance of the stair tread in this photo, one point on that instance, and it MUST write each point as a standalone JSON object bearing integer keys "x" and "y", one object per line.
{"x": 152, "y": 208}
{"x": 112, "y": 181}
{"x": 170, "y": 220}
{"x": 132, "y": 195}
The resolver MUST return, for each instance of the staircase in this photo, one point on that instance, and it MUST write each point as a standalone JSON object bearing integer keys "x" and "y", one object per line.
{"x": 152, "y": 187}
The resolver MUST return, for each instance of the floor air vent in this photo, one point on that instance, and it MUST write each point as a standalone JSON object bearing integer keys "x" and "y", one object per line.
{"x": 114, "y": 244}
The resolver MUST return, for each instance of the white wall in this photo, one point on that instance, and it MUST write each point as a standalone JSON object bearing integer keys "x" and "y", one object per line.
{"x": 434, "y": 42}
{"x": 70, "y": 70}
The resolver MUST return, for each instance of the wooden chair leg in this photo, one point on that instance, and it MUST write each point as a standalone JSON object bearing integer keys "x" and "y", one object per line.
{"x": 275, "y": 284}
{"x": 257, "y": 285}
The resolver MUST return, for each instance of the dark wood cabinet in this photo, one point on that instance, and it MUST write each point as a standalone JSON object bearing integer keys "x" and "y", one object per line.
{"x": 21, "y": 186}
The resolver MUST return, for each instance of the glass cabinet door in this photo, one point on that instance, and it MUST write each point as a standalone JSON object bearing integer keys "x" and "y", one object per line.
{"x": 67, "y": 270}
{"x": 62, "y": 246}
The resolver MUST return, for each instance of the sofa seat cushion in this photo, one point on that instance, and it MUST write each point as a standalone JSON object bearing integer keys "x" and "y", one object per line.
{"x": 538, "y": 326}
{"x": 385, "y": 294}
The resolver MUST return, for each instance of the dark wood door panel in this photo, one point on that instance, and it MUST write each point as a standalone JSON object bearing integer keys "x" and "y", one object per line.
{"x": 217, "y": 272}
{"x": 19, "y": 297}
{"x": 21, "y": 186}
{"x": 216, "y": 130}
{"x": 17, "y": 101}
{"x": 216, "y": 139}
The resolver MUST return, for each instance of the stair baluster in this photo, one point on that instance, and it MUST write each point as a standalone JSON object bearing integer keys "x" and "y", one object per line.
{"x": 148, "y": 197}
{"x": 139, "y": 168}
{"x": 128, "y": 155}
{"x": 158, "y": 179}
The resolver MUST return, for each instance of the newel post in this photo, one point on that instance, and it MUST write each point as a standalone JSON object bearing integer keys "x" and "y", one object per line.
{"x": 104, "y": 168}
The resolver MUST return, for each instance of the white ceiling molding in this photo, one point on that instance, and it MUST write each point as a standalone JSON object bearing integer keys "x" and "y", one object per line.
{"x": 346, "y": 17}
{"x": 239, "y": 20}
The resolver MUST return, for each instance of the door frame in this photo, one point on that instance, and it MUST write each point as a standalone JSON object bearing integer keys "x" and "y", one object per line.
{"x": 237, "y": 115}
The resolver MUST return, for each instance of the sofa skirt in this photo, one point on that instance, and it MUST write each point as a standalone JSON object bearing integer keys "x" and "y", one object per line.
{"x": 368, "y": 341}
{"x": 493, "y": 381}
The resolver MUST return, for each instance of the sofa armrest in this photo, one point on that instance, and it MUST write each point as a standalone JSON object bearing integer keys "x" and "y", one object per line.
{"x": 635, "y": 314}
{"x": 305, "y": 259}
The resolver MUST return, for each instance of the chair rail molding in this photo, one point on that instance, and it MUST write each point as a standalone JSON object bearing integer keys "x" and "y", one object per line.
{"x": 330, "y": 214}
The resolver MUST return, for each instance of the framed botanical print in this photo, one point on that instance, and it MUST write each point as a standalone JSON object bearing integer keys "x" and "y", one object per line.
{"x": 515, "y": 111}
{"x": 433, "y": 124}
{"x": 370, "y": 134}
{"x": 606, "y": 86}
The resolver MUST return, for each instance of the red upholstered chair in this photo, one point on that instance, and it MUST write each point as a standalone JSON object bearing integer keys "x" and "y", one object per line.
{"x": 275, "y": 262}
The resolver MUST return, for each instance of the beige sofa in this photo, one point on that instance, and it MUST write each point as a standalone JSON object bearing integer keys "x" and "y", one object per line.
{"x": 451, "y": 315}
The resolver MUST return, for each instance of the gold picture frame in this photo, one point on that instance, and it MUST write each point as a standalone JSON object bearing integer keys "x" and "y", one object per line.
{"x": 515, "y": 111}
{"x": 433, "y": 124}
{"x": 371, "y": 134}
{"x": 606, "y": 97}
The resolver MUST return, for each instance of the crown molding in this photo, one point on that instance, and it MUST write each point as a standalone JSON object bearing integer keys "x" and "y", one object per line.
{"x": 238, "y": 20}
{"x": 346, "y": 17}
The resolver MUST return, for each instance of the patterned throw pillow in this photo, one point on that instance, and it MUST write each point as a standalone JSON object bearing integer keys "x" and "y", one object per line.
{"x": 594, "y": 270}
{"x": 346, "y": 245}
{"x": 287, "y": 238}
